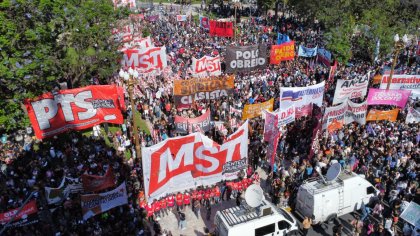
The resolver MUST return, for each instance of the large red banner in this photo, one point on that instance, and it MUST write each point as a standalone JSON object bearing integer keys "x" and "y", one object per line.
{"x": 95, "y": 183}
{"x": 221, "y": 28}
{"x": 28, "y": 209}
{"x": 75, "y": 109}
{"x": 189, "y": 161}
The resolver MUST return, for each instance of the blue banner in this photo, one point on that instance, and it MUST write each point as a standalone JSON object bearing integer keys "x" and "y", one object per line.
{"x": 324, "y": 56}
{"x": 307, "y": 52}
{"x": 282, "y": 38}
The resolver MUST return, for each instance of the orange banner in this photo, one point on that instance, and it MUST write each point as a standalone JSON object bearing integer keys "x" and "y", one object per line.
{"x": 377, "y": 79}
{"x": 282, "y": 52}
{"x": 390, "y": 115}
{"x": 192, "y": 86}
{"x": 254, "y": 110}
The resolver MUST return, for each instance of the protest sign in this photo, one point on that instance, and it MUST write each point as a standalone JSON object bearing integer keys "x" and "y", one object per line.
{"x": 282, "y": 52}
{"x": 124, "y": 3}
{"x": 74, "y": 109}
{"x": 254, "y": 110}
{"x": 145, "y": 60}
{"x": 388, "y": 97}
{"x": 94, "y": 204}
{"x": 409, "y": 82}
{"x": 186, "y": 162}
{"x": 187, "y": 91}
{"x": 206, "y": 66}
{"x": 302, "y": 96}
{"x": 356, "y": 112}
{"x": 270, "y": 126}
{"x": 349, "y": 89}
{"x": 181, "y": 18}
{"x": 27, "y": 215}
{"x": 186, "y": 125}
{"x": 286, "y": 116}
{"x": 324, "y": 56}
{"x": 245, "y": 58}
{"x": 95, "y": 183}
{"x": 204, "y": 22}
{"x": 375, "y": 115}
{"x": 336, "y": 113}
{"x": 221, "y": 28}
{"x": 282, "y": 38}
{"x": 307, "y": 52}
{"x": 413, "y": 116}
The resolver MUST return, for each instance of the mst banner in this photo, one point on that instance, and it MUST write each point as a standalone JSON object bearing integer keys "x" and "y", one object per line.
{"x": 74, "y": 109}
{"x": 187, "y": 125}
{"x": 206, "y": 66}
{"x": 253, "y": 110}
{"x": 349, "y": 89}
{"x": 301, "y": 97}
{"x": 221, "y": 28}
{"x": 95, "y": 183}
{"x": 146, "y": 60}
{"x": 282, "y": 52}
{"x": 94, "y": 204}
{"x": 388, "y": 97}
{"x": 28, "y": 215}
{"x": 245, "y": 58}
{"x": 409, "y": 82}
{"x": 187, "y": 91}
{"x": 186, "y": 162}
{"x": 376, "y": 115}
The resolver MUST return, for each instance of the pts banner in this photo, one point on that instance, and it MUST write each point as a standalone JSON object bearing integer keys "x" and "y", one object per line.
{"x": 186, "y": 162}
{"x": 75, "y": 109}
{"x": 245, "y": 58}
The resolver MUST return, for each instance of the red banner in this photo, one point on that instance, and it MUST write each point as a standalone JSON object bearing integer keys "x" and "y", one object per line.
{"x": 317, "y": 129}
{"x": 146, "y": 59}
{"x": 28, "y": 209}
{"x": 221, "y": 29}
{"x": 95, "y": 183}
{"x": 74, "y": 109}
{"x": 282, "y": 52}
{"x": 331, "y": 75}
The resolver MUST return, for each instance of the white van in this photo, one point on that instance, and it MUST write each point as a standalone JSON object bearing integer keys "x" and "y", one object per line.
{"x": 264, "y": 221}
{"x": 324, "y": 201}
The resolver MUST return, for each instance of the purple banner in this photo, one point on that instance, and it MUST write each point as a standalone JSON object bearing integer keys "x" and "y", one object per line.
{"x": 388, "y": 97}
{"x": 317, "y": 129}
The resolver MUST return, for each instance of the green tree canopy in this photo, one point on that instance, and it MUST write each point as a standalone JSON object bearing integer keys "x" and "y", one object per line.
{"x": 44, "y": 42}
{"x": 360, "y": 23}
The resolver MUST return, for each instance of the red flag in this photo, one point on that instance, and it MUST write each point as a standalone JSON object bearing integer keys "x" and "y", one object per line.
{"x": 95, "y": 183}
{"x": 221, "y": 29}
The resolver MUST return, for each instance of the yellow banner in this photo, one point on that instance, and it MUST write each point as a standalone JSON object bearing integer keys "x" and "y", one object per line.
{"x": 390, "y": 115}
{"x": 254, "y": 110}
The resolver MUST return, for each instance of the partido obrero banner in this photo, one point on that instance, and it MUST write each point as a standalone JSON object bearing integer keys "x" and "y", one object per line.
{"x": 388, "y": 97}
{"x": 188, "y": 91}
{"x": 146, "y": 60}
{"x": 301, "y": 97}
{"x": 349, "y": 89}
{"x": 409, "y": 82}
{"x": 190, "y": 161}
{"x": 282, "y": 52}
{"x": 245, "y": 58}
{"x": 75, "y": 109}
{"x": 189, "y": 125}
{"x": 206, "y": 66}
{"x": 94, "y": 204}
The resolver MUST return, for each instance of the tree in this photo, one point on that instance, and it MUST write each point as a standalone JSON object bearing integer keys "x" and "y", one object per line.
{"x": 45, "y": 42}
{"x": 356, "y": 25}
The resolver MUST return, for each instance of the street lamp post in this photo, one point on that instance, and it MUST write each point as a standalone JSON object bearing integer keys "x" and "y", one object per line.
{"x": 234, "y": 21}
{"x": 129, "y": 78}
{"x": 398, "y": 46}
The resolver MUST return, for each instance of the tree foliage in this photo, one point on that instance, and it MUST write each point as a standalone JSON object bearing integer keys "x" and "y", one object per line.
{"x": 358, "y": 24}
{"x": 44, "y": 42}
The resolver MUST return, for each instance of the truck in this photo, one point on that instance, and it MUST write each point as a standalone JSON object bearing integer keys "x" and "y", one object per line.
{"x": 261, "y": 221}
{"x": 323, "y": 201}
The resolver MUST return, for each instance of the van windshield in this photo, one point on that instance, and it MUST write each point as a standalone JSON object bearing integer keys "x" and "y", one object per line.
{"x": 285, "y": 214}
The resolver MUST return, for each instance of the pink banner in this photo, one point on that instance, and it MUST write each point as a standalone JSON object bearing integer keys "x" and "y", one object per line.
{"x": 388, "y": 97}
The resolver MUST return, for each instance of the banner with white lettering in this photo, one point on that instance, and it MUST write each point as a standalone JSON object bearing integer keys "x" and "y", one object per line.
{"x": 302, "y": 96}
{"x": 349, "y": 89}
{"x": 190, "y": 161}
{"x": 410, "y": 82}
{"x": 388, "y": 97}
{"x": 307, "y": 52}
{"x": 74, "y": 109}
{"x": 334, "y": 114}
{"x": 94, "y": 204}
{"x": 245, "y": 58}
{"x": 146, "y": 60}
{"x": 27, "y": 215}
{"x": 186, "y": 125}
{"x": 206, "y": 66}
{"x": 356, "y": 112}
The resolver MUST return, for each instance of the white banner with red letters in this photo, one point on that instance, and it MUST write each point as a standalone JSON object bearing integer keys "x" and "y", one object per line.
{"x": 146, "y": 60}
{"x": 186, "y": 162}
{"x": 349, "y": 89}
{"x": 356, "y": 112}
{"x": 206, "y": 66}
{"x": 410, "y": 82}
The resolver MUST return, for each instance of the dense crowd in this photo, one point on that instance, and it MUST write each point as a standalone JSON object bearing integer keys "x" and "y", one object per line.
{"x": 387, "y": 153}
